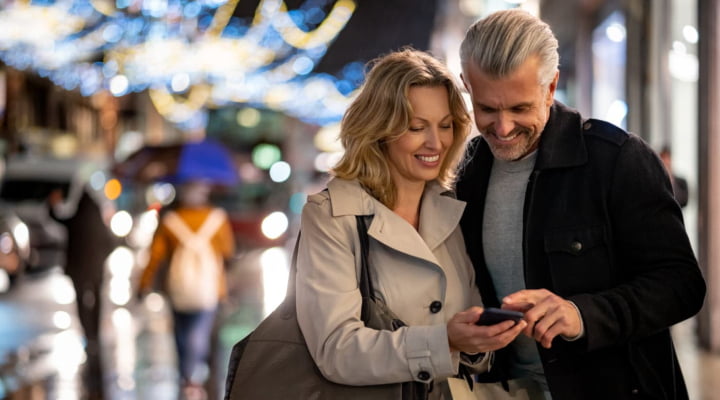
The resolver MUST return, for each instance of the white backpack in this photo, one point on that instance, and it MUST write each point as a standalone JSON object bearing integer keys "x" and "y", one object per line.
{"x": 195, "y": 267}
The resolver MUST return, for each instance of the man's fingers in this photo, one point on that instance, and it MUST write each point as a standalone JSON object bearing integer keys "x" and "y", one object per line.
{"x": 548, "y": 336}
{"x": 532, "y": 296}
{"x": 522, "y": 307}
{"x": 545, "y": 328}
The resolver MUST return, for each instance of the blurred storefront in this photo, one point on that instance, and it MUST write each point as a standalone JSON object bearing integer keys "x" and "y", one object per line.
{"x": 274, "y": 91}
{"x": 709, "y": 168}
{"x": 652, "y": 68}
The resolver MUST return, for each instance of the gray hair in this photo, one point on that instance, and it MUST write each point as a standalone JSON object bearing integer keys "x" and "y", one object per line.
{"x": 502, "y": 41}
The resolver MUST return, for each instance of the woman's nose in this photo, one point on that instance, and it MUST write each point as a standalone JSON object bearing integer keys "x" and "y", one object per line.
{"x": 432, "y": 138}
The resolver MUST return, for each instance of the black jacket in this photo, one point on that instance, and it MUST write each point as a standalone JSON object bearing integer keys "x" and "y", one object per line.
{"x": 601, "y": 228}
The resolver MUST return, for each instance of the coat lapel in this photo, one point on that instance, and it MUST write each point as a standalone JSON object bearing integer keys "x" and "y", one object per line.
{"x": 561, "y": 143}
{"x": 439, "y": 216}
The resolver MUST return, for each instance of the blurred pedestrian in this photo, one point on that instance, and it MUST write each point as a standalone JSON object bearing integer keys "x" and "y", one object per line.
{"x": 573, "y": 222}
{"x": 89, "y": 242}
{"x": 403, "y": 135}
{"x": 679, "y": 184}
{"x": 194, "y": 240}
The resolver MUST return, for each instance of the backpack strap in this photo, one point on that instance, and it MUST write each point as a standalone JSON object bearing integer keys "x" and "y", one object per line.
{"x": 178, "y": 227}
{"x": 212, "y": 223}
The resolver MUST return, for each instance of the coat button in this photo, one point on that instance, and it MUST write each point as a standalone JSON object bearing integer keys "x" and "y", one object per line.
{"x": 423, "y": 376}
{"x": 635, "y": 391}
{"x": 576, "y": 246}
{"x": 587, "y": 125}
{"x": 435, "y": 307}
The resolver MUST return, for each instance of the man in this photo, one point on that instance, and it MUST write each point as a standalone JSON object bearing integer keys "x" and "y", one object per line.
{"x": 89, "y": 243}
{"x": 679, "y": 184}
{"x": 573, "y": 222}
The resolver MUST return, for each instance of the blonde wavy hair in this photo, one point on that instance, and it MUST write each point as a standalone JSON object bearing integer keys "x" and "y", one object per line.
{"x": 381, "y": 113}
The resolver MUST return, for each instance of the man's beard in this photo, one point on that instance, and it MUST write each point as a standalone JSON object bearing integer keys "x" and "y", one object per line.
{"x": 512, "y": 152}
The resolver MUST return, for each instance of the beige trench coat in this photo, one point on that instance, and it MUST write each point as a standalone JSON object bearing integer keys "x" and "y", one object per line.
{"x": 424, "y": 276}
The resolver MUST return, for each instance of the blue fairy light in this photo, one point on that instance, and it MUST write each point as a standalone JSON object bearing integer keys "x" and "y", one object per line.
{"x": 267, "y": 60}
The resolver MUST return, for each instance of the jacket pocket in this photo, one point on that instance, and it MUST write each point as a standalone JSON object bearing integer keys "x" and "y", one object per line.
{"x": 578, "y": 259}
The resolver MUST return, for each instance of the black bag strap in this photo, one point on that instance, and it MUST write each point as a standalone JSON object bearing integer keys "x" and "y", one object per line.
{"x": 366, "y": 285}
{"x": 287, "y": 308}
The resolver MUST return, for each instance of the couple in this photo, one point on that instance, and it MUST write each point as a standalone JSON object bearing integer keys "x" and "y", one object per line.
{"x": 570, "y": 221}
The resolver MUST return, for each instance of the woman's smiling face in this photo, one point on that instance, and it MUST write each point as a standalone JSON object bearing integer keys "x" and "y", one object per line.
{"x": 417, "y": 155}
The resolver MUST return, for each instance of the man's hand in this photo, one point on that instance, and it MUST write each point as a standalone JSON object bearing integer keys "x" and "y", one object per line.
{"x": 465, "y": 336}
{"x": 546, "y": 313}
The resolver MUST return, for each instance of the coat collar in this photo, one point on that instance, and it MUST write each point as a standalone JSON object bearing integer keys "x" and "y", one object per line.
{"x": 439, "y": 217}
{"x": 561, "y": 142}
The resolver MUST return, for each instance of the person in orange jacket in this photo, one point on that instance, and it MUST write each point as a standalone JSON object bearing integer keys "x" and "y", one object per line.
{"x": 193, "y": 317}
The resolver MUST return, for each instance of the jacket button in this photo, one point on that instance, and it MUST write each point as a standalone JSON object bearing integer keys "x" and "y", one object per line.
{"x": 635, "y": 391}
{"x": 576, "y": 246}
{"x": 435, "y": 307}
{"x": 587, "y": 125}
{"x": 423, "y": 376}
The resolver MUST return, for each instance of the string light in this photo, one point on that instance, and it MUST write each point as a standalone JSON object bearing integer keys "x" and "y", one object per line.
{"x": 150, "y": 45}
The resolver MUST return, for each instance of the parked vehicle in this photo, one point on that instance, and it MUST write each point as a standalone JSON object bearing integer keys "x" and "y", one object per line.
{"x": 14, "y": 249}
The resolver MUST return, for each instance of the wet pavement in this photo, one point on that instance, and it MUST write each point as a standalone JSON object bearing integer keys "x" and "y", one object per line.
{"x": 139, "y": 350}
{"x": 41, "y": 353}
{"x": 41, "y": 342}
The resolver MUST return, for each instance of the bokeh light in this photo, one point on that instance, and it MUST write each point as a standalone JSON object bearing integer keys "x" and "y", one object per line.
{"x": 274, "y": 225}
{"x": 265, "y": 155}
{"x": 280, "y": 171}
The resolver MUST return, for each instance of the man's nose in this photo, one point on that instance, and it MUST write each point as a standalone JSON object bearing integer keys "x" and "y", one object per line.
{"x": 504, "y": 125}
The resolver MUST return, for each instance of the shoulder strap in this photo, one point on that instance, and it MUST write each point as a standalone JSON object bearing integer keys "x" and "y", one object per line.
{"x": 177, "y": 226}
{"x": 366, "y": 285}
{"x": 366, "y": 288}
{"x": 287, "y": 308}
{"x": 212, "y": 223}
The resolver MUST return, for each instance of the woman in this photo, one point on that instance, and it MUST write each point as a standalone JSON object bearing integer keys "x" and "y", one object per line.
{"x": 402, "y": 136}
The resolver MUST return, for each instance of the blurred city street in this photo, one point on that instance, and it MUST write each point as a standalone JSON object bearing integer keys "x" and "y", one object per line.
{"x": 119, "y": 104}
{"x": 41, "y": 353}
{"x": 40, "y": 338}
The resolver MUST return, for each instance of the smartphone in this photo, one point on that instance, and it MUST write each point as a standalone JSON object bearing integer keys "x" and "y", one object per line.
{"x": 492, "y": 316}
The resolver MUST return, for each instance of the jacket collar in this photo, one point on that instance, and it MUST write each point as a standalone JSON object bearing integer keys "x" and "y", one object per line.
{"x": 439, "y": 217}
{"x": 561, "y": 142}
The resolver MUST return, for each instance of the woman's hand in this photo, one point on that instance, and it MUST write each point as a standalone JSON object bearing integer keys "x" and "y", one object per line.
{"x": 465, "y": 336}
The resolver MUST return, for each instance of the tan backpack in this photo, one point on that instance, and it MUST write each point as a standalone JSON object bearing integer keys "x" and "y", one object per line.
{"x": 195, "y": 267}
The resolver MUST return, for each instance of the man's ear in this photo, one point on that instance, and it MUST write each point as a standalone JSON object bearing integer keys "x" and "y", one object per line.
{"x": 462, "y": 78}
{"x": 551, "y": 89}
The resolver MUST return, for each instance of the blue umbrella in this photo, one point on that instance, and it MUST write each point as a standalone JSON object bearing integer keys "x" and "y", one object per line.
{"x": 205, "y": 160}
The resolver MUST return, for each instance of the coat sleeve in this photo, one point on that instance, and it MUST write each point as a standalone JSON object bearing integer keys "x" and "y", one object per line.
{"x": 660, "y": 283}
{"x": 159, "y": 252}
{"x": 328, "y": 310}
{"x": 226, "y": 239}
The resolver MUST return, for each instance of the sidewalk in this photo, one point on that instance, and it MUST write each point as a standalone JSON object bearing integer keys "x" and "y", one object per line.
{"x": 41, "y": 343}
{"x": 139, "y": 348}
